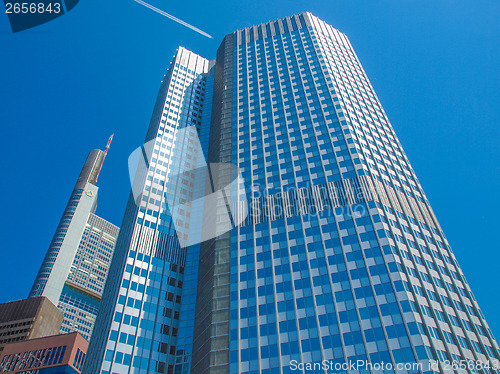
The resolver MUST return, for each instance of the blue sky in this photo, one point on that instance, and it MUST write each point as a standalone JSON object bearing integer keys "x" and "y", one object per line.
{"x": 67, "y": 85}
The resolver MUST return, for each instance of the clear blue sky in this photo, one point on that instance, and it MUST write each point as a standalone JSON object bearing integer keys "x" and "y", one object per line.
{"x": 67, "y": 85}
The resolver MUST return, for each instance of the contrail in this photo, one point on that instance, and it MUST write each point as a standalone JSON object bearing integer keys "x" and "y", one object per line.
{"x": 174, "y": 18}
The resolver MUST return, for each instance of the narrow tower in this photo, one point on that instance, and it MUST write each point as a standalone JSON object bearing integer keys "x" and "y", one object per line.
{"x": 74, "y": 270}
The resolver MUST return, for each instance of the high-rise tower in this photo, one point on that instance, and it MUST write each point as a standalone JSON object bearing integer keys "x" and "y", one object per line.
{"x": 340, "y": 258}
{"x": 74, "y": 270}
{"x": 149, "y": 298}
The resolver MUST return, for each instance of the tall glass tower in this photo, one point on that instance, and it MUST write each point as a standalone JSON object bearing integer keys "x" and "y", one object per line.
{"x": 340, "y": 264}
{"x": 147, "y": 316}
{"x": 74, "y": 270}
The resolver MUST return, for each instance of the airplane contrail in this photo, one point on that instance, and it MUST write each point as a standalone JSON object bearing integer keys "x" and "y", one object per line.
{"x": 174, "y": 18}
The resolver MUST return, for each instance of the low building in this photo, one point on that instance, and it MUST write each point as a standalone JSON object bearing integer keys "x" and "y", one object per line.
{"x": 61, "y": 354}
{"x": 28, "y": 319}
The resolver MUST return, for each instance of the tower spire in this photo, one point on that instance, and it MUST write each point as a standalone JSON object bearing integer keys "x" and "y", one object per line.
{"x": 105, "y": 153}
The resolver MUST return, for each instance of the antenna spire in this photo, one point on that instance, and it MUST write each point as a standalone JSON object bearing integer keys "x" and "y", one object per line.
{"x": 104, "y": 156}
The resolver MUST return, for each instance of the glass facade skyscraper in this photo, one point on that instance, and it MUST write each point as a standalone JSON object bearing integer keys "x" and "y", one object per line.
{"x": 74, "y": 270}
{"x": 147, "y": 316}
{"x": 340, "y": 259}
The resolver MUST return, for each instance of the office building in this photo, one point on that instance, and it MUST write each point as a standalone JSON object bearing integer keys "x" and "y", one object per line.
{"x": 340, "y": 256}
{"x": 74, "y": 270}
{"x": 57, "y": 354}
{"x": 28, "y": 319}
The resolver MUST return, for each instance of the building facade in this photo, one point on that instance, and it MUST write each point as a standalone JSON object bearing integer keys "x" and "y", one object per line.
{"x": 74, "y": 270}
{"x": 149, "y": 262}
{"x": 57, "y": 354}
{"x": 340, "y": 257}
{"x": 28, "y": 319}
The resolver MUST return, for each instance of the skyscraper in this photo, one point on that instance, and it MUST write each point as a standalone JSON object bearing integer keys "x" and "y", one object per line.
{"x": 74, "y": 270}
{"x": 340, "y": 258}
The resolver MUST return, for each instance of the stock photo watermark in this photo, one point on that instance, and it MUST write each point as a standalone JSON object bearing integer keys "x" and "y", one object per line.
{"x": 200, "y": 200}
{"x": 174, "y": 186}
{"x": 24, "y": 15}
{"x": 430, "y": 365}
